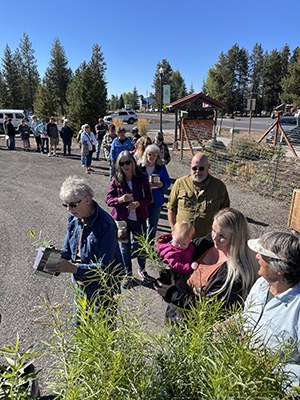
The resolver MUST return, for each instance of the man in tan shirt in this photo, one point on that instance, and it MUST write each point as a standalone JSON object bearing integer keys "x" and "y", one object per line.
{"x": 197, "y": 197}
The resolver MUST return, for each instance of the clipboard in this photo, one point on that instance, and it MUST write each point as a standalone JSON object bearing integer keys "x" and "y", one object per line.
{"x": 46, "y": 255}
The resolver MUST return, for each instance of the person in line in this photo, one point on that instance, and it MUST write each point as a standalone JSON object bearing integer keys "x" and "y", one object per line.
{"x": 197, "y": 197}
{"x": 107, "y": 142}
{"x": 5, "y": 121}
{"x": 272, "y": 308}
{"x": 24, "y": 131}
{"x": 11, "y": 133}
{"x": 163, "y": 148}
{"x": 100, "y": 130}
{"x": 90, "y": 243}
{"x": 159, "y": 179}
{"x": 42, "y": 130}
{"x": 140, "y": 147}
{"x": 33, "y": 125}
{"x": 120, "y": 143}
{"x": 66, "y": 134}
{"x": 129, "y": 195}
{"x": 52, "y": 132}
{"x": 135, "y": 135}
{"x": 225, "y": 266}
{"x": 88, "y": 143}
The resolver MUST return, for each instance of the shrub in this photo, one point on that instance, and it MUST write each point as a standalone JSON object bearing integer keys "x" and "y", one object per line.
{"x": 143, "y": 125}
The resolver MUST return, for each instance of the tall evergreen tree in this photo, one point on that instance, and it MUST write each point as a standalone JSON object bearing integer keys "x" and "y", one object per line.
{"x": 291, "y": 82}
{"x": 45, "y": 103}
{"x": 30, "y": 73}
{"x": 256, "y": 70}
{"x": 191, "y": 90}
{"x": 121, "y": 102}
{"x": 166, "y": 79}
{"x": 87, "y": 92}
{"x": 12, "y": 78}
{"x": 58, "y": 75}
{"x": 178, "y": 87}
{"x": 135, "y": 102}
{"x": 271, "y": 80}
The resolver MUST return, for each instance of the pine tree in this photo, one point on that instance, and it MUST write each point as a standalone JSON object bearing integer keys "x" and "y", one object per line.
{"x": 271, "y": 80}
{"x": 191, "y": 90}
{"x": 121, "y": 102}
{"x": 12, "y": 78}
{"x": 87, "y": 92}
{"x": 291, "y": 82}
{"x": 256, "y": 69}
{"x": 166, "y": 80}
{"x": 178, "y": 87}
{"x": 58, "y": 76}
{"x": 135, "y": 102}
{"x": 30, "y": 73}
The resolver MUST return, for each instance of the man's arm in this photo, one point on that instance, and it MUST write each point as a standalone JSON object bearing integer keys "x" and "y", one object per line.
{"x": 171, "y": 218}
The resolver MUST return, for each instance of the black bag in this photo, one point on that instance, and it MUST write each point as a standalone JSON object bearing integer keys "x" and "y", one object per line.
{"x": 94, "y": 148}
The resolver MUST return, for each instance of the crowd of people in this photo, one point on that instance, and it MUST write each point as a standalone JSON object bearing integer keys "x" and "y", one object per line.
{"x": 208, "y": 252}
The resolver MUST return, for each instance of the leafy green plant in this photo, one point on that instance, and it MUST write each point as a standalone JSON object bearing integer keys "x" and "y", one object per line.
{"x": 18, "y": 379}
{"x": 40, "y": 239}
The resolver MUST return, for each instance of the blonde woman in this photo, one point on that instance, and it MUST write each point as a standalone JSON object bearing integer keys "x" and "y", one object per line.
{"x": 225, "y": 267}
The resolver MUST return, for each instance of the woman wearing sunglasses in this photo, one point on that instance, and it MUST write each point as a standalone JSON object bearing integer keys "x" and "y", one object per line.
{"x": 91, "y": 243}
{"x": 129, "y": 195}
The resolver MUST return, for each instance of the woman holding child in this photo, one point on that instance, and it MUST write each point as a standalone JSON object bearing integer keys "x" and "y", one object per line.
{"x": 225, "y": 267}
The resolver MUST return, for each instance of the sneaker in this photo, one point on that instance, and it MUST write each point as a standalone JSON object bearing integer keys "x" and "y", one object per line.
{"x": 145, "y": 276}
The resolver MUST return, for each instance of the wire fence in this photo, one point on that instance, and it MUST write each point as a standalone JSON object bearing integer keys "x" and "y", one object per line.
{"x": 262, "y": 167}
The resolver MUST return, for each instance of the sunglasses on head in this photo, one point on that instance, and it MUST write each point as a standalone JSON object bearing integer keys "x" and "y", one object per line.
{"x": 196, "y": 168}
{"x": 71, "y": 205}
{"x": 122, "y": 163}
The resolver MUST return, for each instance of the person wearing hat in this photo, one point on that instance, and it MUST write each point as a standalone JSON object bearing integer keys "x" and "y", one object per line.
{"x": 66, "y": 135}
{"x": 135, "y": 135}
{"x": 33, "y": 125}
{"x": 119, "y": 144}
{"x": 163, "y": 148}
{"x": 272, "y": 308}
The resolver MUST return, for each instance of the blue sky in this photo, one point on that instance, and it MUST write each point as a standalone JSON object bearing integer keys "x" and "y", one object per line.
{"x": 135, "y": 35}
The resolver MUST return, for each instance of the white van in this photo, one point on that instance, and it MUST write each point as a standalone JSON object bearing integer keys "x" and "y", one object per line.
{"x": 15, "y": 115}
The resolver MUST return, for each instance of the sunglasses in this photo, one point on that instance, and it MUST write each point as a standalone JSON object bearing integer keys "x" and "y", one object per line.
{"x": 122, "y": 163}
{"x": 71, "y": 205}
{"x": 196, "y": 168}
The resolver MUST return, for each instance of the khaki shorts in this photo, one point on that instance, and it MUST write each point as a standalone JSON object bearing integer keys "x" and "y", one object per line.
{"x": 54, "y": 141}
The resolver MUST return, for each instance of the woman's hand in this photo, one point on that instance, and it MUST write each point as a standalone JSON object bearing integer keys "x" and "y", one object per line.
{"x": 162, "y": 288}
{"x": 62, "y": 266}
{"x": 126, "y": 198}
{"x": 133, "y": 205}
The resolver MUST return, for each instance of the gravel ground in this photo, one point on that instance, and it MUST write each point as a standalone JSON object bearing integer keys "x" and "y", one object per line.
{"x": 30, "y": 184}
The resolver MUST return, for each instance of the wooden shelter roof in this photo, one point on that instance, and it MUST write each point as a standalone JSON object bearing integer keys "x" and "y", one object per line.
{"x": 191, "y": 98}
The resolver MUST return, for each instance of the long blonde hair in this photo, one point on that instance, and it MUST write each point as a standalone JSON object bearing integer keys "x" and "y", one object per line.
{"x": 241, "y": 261}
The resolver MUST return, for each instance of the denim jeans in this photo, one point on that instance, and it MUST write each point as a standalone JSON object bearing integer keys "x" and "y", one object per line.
{"x": 99, "y": 143}
{"x": 88, "y": 159}
{"x": 154, "y": 213}
{"x": 67, "y": 147}
{"x": 133, "y": 248}
{"x": 12, "y": 143}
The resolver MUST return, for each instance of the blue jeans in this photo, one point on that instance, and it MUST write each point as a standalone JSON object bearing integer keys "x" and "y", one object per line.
{"x": 133, "y": 248}
{"x": 99, "y": 143}
{"x": 88, "y": 159}
{"x": 154, "y": 213}
{"x": 12, "y": 143}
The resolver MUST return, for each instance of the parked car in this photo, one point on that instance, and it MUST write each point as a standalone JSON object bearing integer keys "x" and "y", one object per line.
{"x": 127, "y": 116}
{"x": 15, "y": 115}
{"x": 291, "y": 127}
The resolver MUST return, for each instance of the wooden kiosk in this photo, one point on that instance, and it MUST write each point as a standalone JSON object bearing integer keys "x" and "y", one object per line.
{"x": 195, "y": 118}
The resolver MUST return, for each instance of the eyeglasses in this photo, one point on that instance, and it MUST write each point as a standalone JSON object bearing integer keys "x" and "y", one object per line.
{"x": 71, "y": 205}
{"x": 196, "y": 168}
{"x": 122, "y": 163}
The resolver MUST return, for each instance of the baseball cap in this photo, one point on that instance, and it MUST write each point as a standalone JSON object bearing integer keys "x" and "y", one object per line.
{"x": 254, "y": 245}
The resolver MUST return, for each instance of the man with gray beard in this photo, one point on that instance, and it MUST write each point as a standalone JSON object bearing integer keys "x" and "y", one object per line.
{"x": 197, "y": 197}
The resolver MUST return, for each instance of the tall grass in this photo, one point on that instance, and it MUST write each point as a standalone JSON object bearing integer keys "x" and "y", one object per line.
{"x": 111, "y": 355}
{"x": 143, "y": 125}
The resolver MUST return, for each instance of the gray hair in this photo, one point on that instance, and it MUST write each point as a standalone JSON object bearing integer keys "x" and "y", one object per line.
{"x": 286, "y": 245}
{"x": 151, "y": 148}
{"x": 75, "y": 189}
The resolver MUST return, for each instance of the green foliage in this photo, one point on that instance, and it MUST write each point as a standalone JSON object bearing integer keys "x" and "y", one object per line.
{"x": 111, "y": 355}
{"x": 247, "y": 148}
{"x": 16, "y": 378}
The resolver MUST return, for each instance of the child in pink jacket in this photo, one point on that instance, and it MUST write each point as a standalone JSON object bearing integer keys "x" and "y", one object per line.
{"x": 177, "y": 249}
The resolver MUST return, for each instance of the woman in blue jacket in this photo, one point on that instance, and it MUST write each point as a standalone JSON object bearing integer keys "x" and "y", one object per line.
{"x": 159, "y": 179}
